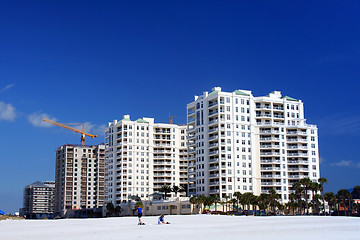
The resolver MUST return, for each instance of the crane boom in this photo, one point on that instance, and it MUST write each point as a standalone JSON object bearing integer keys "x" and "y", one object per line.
{"x": 83, "y": 133}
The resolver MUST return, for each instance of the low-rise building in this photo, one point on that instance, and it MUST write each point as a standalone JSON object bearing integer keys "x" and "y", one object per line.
{"x": 38, "y": 200}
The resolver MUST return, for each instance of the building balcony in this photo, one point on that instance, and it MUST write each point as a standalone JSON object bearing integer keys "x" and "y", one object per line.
{"x": 270, "y": 146}
{"x": 267, "y": 191}
{"x": 214, "y": 175}
{"x": 213, "y": 130}
{"x": 213, "y": 160}
{"x": 213, "y": 153}
{"x": 263, "y": 115}
{"x": 269, "y": 154}
{"x": 270, "y": 176}
{"x": 162, "y": 168}
{"x": 297, "y": 147}
{"x": 296, "y": 140}
{"x": 297, "y": 176}
{"x": 271, "y": 184}
{"x": 214, "y": 168}
{"x": 270, "y": 161}
{"x": 212, "y": 112}
{"x": 213, "y": 145}
{"x": 270, "y": 131}
{"x": 269, "y": 139}
{"x": 162, "y": 180}
{"x": 212, "y": 104}
{"x": 213, "y": 137}
{"x": 297, "y": 154}
{"x": 263, "y": 107}
{"x": 297, "y": 162}
{"x": 215, "y": 191}
{"x": 214, "y": 183}
{"x": 213, "y": 121}
{"x": 298, "y": 169}
{"x": 270, "y": 169}
{"x": 162, "y": 163}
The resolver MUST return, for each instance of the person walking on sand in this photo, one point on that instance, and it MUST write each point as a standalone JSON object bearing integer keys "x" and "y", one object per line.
{"x": 139, "y": 210}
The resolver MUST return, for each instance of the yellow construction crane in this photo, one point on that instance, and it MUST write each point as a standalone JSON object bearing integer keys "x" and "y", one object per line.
{"x": 83, "y": 133}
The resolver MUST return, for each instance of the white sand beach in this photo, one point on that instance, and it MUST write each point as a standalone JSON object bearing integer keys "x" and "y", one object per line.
{"x": 185, "y": 227}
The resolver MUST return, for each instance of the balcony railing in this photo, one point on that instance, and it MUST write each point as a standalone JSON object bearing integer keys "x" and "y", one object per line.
{"x": 270, "y": 169}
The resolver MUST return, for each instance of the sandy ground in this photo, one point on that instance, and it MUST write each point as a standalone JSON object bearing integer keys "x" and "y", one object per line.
{"x": 185, "y": 227}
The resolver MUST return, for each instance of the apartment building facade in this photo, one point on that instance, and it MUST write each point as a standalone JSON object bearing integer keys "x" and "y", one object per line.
{"x": 142, "y": 156}
{"x": 79, "y": 177}
{"x": 38, "y": 200}
{"x": 241, "y": 143}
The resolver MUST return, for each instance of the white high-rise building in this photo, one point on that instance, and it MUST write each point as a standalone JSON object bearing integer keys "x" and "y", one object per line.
{"x": 79, "y": 177}
{"x": 142, "y": 156}
{"x": 241, "y": 143}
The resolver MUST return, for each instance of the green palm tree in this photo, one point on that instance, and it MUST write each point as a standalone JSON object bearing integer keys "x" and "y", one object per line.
{"x": 298, "y": 188}
{"x": 292, "y": 198}
{"x": 193, "y": 200}
{"x": 208, "y": 201}
{"x": 175, "y": 189}
{"x": 322, "y": 181}
{"x": 273, "y": 196}
{"x": 201, "y": 201}
{"x": 246, "y": 199}
{"x": 237, "y": 195}
{"x": 343, "y": 195}
{"x": 331, "y": 199}
{"x": 315, "y": 188}
{"x": 317, "y": 202}
{"x": 263, "y": 201}
{"x": 226, "y": 202}
{"x": 216, "y": 199}
{"x": 165, "y": 189}
{"x": 233, "y": 202}
{"x": 254, "y": 202}
{"x": 306, "y": 183}
{"x": 356, "y": 192}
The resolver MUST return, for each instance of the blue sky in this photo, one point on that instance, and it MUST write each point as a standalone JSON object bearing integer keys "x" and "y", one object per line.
{"x": 93, "y": 61}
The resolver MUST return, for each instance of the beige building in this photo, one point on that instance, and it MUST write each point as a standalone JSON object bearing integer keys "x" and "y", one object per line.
{"x": 79, "y": 181}
{"x": 142, "y": 156}
{"x": 171, "y": 206}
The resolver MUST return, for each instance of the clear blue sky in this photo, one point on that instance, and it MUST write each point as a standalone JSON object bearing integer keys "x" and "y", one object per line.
{"x": 93, "y": 61}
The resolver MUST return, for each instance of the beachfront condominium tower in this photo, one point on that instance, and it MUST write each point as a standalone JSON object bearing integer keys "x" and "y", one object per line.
{"x": 142, "y": 157}
{"x": 38, "y": 200}
{"x": 79, "y": 177}
{"x": 241, "y": 143}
